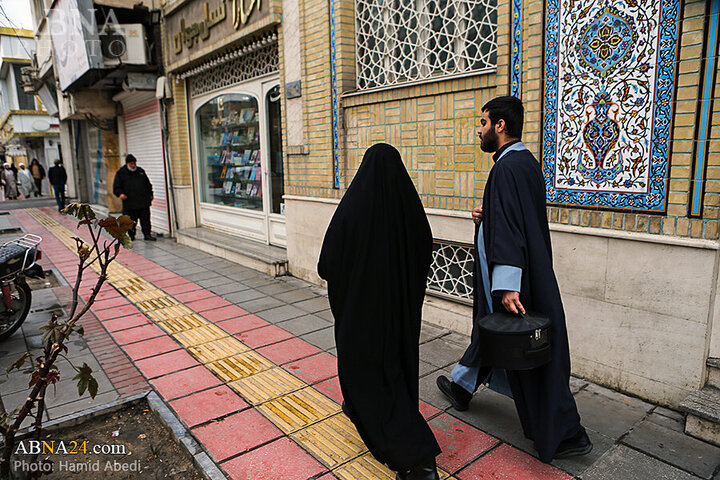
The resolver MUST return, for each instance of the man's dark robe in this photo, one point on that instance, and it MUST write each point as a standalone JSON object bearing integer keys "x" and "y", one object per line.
{"x": 375, "y": 257}
{"x": 516, "y": 233}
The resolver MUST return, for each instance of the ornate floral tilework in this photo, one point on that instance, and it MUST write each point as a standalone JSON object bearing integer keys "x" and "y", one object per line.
{"x": 516, "y": 54}
{"x": 609, "y": 83}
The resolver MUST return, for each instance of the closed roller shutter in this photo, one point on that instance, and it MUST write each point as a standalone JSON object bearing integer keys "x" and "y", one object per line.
{"x": 143, "y": 136}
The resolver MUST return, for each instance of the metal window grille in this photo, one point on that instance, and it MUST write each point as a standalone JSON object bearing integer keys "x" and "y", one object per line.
{"x": 402, "y": 41}
{"x": 451, "y": 271}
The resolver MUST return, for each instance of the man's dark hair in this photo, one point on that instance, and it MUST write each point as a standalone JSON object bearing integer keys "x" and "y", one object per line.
{"x": 511, "y": 110}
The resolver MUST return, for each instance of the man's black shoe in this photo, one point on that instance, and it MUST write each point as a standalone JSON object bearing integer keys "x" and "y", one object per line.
{"x": 150, "y": 238}
{"x": 577, "y": 445}
{"x": 458, "y": 396}
{"x": 424, "y": 471}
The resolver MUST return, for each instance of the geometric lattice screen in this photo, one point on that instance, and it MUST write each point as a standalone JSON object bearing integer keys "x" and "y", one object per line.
{"x": 609, "y": 94}
{"x": 400, "y": 41}
{"x": 451, "y": 270}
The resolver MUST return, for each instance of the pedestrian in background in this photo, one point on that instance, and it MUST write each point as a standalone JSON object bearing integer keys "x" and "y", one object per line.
{"x": 133, "y": 187}
{"x": 9, "y": 181}
{"x": 25, "y": 181}
{"x": 375, "y": 257}
{"x": 38, "y": 173}
{"x": 58, "y": 178}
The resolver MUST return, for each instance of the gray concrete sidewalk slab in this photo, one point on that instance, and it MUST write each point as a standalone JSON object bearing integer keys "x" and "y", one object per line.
{"x": 623, "y": 463}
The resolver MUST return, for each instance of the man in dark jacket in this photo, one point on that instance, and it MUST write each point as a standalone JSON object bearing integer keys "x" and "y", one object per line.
{"x": 513, "y": 271}
{"x": 38, "y": 173}
{"x": 58, "y": 177}
{"x": 133, "y": 187}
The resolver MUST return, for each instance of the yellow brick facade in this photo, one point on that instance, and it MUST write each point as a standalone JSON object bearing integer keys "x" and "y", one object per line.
{"x": 433, "y": 125}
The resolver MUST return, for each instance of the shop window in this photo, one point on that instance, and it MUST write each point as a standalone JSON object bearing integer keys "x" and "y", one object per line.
{"x": 276, "y": 157}
{"x": 402, "y": 41}
{"x": 229, "y": 151}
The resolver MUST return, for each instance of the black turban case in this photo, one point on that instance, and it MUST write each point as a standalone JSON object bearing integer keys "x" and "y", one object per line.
{"x": 375, "y": 257}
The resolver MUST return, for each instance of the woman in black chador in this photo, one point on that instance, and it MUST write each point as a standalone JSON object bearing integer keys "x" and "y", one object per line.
{"x": 375, "y": 258}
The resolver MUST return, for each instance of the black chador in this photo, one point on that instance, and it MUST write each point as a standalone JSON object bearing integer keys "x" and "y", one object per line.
{"x": 375, "y": 258}
{"x": 516, "y": 233}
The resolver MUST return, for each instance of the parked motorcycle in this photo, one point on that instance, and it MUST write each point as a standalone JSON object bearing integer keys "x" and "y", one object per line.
{"x": 18, "y": 260}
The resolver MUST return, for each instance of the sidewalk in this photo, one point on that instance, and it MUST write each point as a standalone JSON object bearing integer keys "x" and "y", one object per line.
{"x": 246, "y": 361}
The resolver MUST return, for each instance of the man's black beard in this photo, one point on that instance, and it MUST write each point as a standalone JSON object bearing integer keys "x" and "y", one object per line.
{"x": 489, "y": 142}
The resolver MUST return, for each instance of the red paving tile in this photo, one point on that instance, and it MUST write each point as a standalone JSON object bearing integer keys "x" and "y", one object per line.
{"x": 428, "y": 411}
{"x": 137, "y": 334}
{"x": 460, "y": 442}
{"x": 223, "y": 313}
{"x": 181, "y": 288}
{"x": 165, "y": 363}
{"x": 216, "y": 402}
{"x": 149, "y": 348}
{"x": 242, "y": 324}
{"x": 185, "y": 382}
{"x": 194, "y": 295}
{"x": 263, "y": 464}
{"x": 288, "y": 350}
{"x": 126, "y": 322}
{"x": 314, "y": 369}
{"x": 110, "y": 303}
{"x": 208, "y": 304}
{"x": 107, "y": 294}
{"x": 238, "y": 433}
{"x": 263, "y": 336}
{"x": 508, "y": 463}
{"x": 111, "y": 313}
{"x": 170, "y": 282}
{"x": 331, "y": 388}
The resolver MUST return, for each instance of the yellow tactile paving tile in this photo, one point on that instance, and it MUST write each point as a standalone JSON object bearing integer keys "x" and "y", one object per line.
{"x": 333, "y": 441}
{"x": 217, "y": 349}
{"x": 198, "y": 336}
{"x": 174, "y": 324}
{"x": 363, "y": 468}
{"x": 267, "y": 385}
{"x": 239, "y": 366}
{"x": 157, "y": 303}
{"x": 299, "y": 409}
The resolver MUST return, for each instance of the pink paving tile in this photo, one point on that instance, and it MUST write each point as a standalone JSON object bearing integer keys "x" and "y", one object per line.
{"x": 126, "y": 322}
{"x": 263, "y": 464}
{"x": 154, "y": 273}
{"x": 116, "y": 312}
{"x": 170, "y": 282}
{"x": 331, "y": 388}
{"x": 149, "y": 348}
{"x": 137, "y": 334}
{"x": 181, "y": 288}
{"x": 242, "y": 324}
{"x": 166, "y": 363}
{"x": 236, "y": 434}
{"x": 314, "y": 369}
{"x": 223, "y": 313}
{"x": 194, "y": 295}
{"x": 508, "y": 463}
{"x": 214, "y": 403}
{"x": 263, "y": 336}
{"x": 428, "y": 411}
{"x": 289, "y": 350}
{"x": 208, "y": 304}
{"x": 113, "y": 302}
{"x": 186, "y": 382}
{"x": 460, "y": 442}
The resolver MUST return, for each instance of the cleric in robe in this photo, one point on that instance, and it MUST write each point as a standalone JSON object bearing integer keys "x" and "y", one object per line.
{"x": 375, "y": 257}
{"x": 514, "y": 271}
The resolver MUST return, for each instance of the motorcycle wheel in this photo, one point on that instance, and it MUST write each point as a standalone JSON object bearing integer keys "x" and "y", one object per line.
{"x": 11, "y": 318}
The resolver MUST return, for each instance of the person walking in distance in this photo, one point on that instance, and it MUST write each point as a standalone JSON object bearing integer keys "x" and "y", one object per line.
{"x": 38, "y": 173}
{"x": 513, "y": 271}
{"x": 58, "y": 178}
{"x": 25, "y": 181}
{"x": 9, "y": 182}
{"x": 133, "y": 187}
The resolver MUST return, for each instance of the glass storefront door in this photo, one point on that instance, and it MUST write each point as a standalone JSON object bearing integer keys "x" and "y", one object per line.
{"x": 238, "y": 148}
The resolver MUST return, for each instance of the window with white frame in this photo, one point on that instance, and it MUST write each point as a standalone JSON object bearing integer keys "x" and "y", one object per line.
{"x": 402, "y": 41}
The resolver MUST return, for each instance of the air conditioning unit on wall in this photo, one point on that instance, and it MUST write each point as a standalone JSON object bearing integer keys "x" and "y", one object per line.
{"x": 124, "y": 44}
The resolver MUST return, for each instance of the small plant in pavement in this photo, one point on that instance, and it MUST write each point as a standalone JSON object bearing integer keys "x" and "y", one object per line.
{"x": 99, "y": 253}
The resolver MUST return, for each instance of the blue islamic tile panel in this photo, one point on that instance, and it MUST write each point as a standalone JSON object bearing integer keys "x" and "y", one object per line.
{"x": 335, "y": 113}
{"x": 516, "y": 54}
{"x": 609, "y": 85}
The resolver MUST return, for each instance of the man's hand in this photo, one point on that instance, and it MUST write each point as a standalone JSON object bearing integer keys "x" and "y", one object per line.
{"x": 477, "y": 214}
{"x": 123, "y": 196}
{"x": 511, "y": 302}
